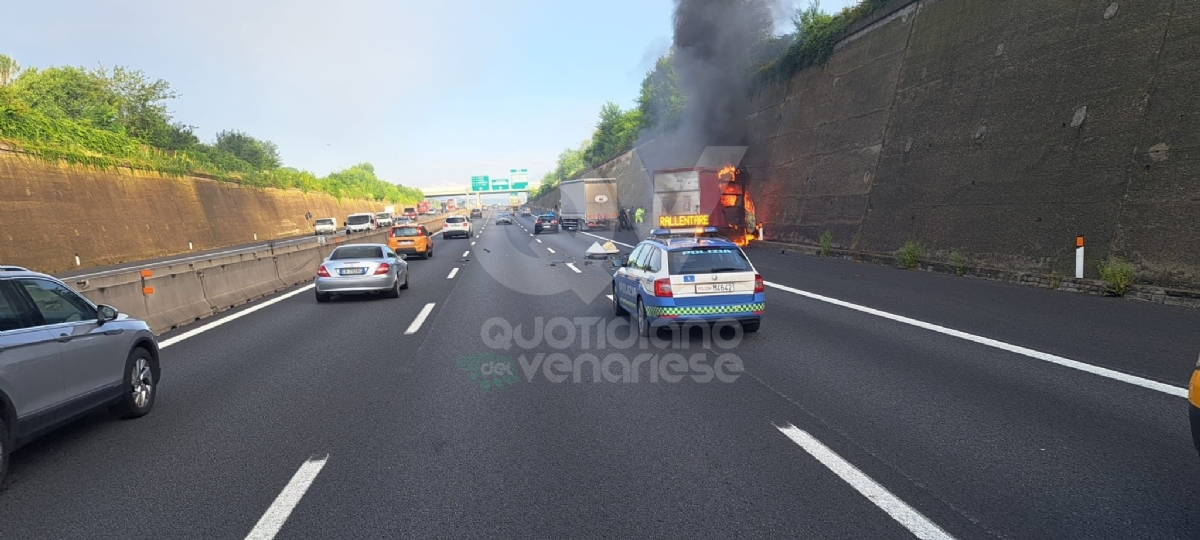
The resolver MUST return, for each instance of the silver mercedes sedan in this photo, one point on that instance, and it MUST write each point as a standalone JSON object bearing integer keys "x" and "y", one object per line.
{"x": 362, "y": 268}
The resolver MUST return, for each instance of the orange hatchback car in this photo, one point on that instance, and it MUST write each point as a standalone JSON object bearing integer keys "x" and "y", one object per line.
{"x": 411, "y": 240}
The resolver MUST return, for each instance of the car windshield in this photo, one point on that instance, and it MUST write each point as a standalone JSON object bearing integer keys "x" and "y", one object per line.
{"x": 456, "y": 219}
{"x": 383, "y": 215}
{"x": 707, "y": 261}
{"x": 545, "y": 218}
{"x": 405, "y": 231}
{"x": 359, "y": 219}
{"x": 325, "y": 221}
{"x": 356, "y": 252}
{"x": 410, "y": 210}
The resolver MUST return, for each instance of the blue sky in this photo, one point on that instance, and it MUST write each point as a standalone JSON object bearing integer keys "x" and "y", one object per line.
{"x": 430, "y": 92}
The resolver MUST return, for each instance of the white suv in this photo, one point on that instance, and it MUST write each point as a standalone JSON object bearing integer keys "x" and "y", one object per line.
{"x": 457, "y": 226}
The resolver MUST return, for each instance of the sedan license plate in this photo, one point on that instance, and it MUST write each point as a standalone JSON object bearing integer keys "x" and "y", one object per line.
{"x": 715, "y": 288}
{"x": 352, "y": 271}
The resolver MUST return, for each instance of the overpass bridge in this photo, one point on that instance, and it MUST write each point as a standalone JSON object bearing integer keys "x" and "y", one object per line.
{"x": 465, "y": 190}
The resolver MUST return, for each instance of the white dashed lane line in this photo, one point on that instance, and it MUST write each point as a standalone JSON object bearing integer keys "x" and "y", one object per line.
{"x": 274, "y": 518}
{"x": 551, "y": 250}
{"x": 424, "y": 314}
{"x": 572, "y": 267}
{"x": 453, "y": 272}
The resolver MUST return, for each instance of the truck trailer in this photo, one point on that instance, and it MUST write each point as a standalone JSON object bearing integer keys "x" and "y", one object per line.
{"x": 588, "y": 203}
{"x": 703, "y": 197}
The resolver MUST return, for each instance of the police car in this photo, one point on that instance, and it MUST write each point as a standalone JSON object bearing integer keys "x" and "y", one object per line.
{"x": 681, "y": 275}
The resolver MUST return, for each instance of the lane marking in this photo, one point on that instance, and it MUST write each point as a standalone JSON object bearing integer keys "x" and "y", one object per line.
{"x": 1047, "y": 357}
{"x": 472, "y": 242}
{"x": 539, "y": 240}
{"x": 190, "y": 333}
{"x": 277, "y": 514}
{"x": 609, "y": 296}
{"x": 453, "y": 272}
{"x": 424, "y": 314}
{"x": 572, "y": 267}
{"x": 465, "y": 253}
{"x": 551, "y": 250}
{"x": 909, "y": 517}
{"x": 530, "y": 234}
{"x": 603, "y": 238}
{"x": 1054, "y": 359}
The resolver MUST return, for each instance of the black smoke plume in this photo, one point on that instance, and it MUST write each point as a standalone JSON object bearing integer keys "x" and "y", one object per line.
{"x": 713, "y": 41}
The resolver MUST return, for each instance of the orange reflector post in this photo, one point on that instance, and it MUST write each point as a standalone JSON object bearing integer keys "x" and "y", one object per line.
{"x": 147, "y": 273}
{"x": 1079, "y": 241}
{"x": 147, "y": 290}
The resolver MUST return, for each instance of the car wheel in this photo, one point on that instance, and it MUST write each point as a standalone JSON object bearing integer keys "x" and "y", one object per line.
{"x": 323, "y": 297}
{"x": 140, "y": 385}
{"x": 393, "y": 292}
{"x": 617, "y": 309}
{"x": 445, "y": 236}
{"x": 642, "y": 320}
{"x": 751, "y": 327}
{"x": 405, "y": 285}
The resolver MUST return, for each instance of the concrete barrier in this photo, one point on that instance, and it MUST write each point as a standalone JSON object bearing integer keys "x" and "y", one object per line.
{"x": 294, "y": 266}
{"x": 174, "y": 297}
{"x": 122, "y": 291}
{"x": 236, "y": 279}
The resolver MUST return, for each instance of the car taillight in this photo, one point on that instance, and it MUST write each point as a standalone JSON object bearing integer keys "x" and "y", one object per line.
{"x": 758, "y": 284}
{"x": 321, "y": 271}
{"x": 662, "y": 287}
{"x": 383, "y": 268}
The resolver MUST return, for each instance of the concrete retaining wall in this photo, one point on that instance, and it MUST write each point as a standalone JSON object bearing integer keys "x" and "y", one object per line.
{"x": 998, "y": 129}
{"x": 49, "y": 213}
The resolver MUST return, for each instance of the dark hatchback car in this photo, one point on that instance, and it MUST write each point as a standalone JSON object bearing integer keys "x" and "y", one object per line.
{"x": 545, "y": 223}
{"x": 476, "y": 213}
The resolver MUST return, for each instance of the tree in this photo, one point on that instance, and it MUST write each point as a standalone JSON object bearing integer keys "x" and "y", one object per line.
{"x": 71, "y": 93}
{"x": 261, "y": 155}
{"x": 141, "y": 104}
{"x": 616, "y": 132}
{"x": 8, "y": 69}
{"x": 661, "y": 101}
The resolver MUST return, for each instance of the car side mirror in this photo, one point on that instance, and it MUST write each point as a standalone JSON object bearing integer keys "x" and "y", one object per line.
{"x": 619, "y": 261}
{"x": 105, "y": 313}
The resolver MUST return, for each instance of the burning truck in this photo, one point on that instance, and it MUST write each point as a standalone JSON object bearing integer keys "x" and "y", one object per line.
{"x": 704, "y": 197}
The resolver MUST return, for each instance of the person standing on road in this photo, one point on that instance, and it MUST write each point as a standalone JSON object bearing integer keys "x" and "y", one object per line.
{"x": 637, "y": 216}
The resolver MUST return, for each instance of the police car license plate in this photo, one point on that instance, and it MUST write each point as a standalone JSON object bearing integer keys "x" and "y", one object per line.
{"x": 715, "y": 288}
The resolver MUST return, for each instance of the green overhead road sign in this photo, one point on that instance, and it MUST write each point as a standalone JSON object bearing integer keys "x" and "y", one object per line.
{"x": 520, "y": 178}
{"x": 499, "y": 184}
{"x": 480, "y": 183}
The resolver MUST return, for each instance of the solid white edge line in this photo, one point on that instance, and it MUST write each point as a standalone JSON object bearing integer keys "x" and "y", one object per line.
{"x": 551, "y": 250}
{"x": 1047, "y": 357}
{"x": 1055, "y": 359}
{"x": 572, "y": 267}
{"x": 190, "y": 333}
{"x": 905, "y": 515}
{"x": 424, "y": 314}
{"x": 603, "y": 238}
{"x": 277, "y": 514}
{"x": 453, "y": 272}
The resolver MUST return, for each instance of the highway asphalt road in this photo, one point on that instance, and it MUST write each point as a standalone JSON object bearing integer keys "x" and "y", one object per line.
{"x": 364, "y": 419}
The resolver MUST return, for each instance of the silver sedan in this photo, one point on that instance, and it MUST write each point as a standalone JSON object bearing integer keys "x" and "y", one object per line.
{"x": 504, "y": 218}
{"x": 362, "y": 268}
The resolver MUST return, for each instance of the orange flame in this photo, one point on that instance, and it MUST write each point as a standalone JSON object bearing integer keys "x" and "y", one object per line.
{"x": 730, "y": 171}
